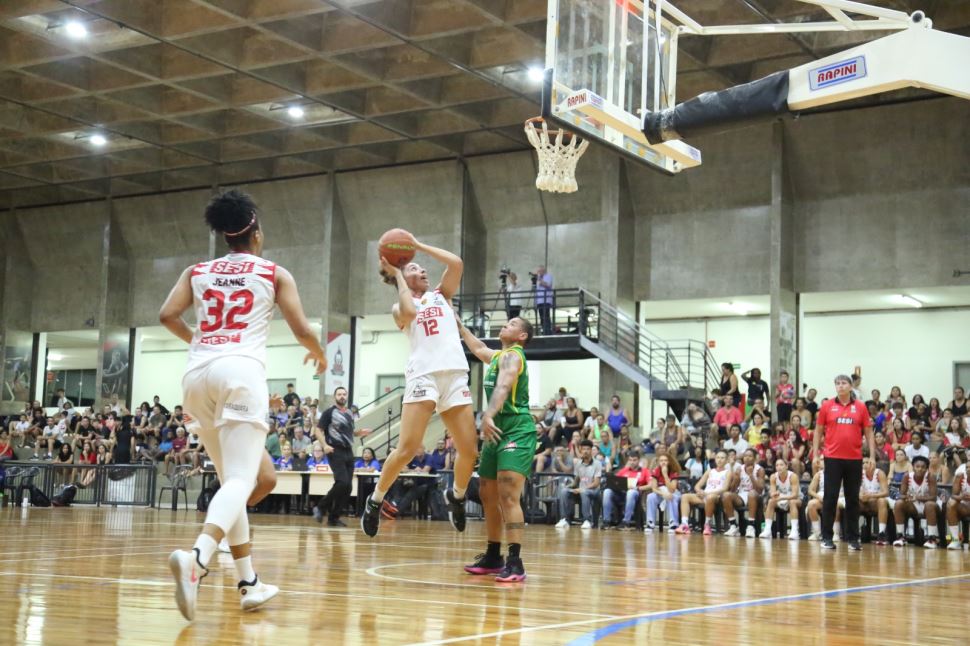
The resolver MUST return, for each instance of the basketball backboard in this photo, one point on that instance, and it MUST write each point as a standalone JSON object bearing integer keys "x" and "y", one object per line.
{"x": 605, "y": 66}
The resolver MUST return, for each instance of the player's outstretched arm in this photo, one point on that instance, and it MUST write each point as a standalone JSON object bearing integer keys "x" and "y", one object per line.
{"x": 179, "y": 300}
{"x": 476, "y": 345}
{"x": 288, "y": 298}
{"x": 451, "y": 279}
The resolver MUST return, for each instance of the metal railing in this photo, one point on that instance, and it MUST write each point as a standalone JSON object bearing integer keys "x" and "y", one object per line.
{"x": 103, "y": 484}
{"x": 381, "y": 398}
{"x": 484, "y": 314}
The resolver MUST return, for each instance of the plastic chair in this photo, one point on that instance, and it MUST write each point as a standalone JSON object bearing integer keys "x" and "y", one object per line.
{"x": 177, "y": 482}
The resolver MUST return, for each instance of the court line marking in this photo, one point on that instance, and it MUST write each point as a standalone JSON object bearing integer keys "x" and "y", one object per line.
{"x": 373, "y": 571}
{"x": 58, "y": 558}
{"x": 633, "y": 620}
{"x": 313, "y": 593}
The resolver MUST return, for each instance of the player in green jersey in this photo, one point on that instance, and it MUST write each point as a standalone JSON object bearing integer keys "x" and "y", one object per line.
{"x": 510, "y": 445}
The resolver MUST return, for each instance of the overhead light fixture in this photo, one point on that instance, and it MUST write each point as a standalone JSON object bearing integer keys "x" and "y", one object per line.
{"x": 75, "y": 29}
{"x": 295, "y": 112}
{"x": 536, "y": 74}
{"x": 738, "y": 308}
{"x": 98, "y": 140}
{"x": 909, "y": 300}
{"x": 51, "y": 356}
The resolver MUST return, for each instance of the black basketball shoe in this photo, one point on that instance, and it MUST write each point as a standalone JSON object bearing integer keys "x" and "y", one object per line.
{"x": 513, "y": 572}
{"x": 370, "y": 520}
{"x": 485, "y": 564}
{"x": 456, "y": 510}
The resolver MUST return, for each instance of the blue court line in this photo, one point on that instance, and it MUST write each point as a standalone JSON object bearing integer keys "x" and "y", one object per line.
{"x": 592, "y": 637}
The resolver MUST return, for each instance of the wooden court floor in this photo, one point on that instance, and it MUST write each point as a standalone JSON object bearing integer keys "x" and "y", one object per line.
{"x": 75, "y": 576}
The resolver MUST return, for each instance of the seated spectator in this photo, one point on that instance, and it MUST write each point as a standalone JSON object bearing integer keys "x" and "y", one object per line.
{"x": 180, "y": 447}
{"x": 674, "y": 437}
{"x": 597, "y": 429}
{"x": 727, "y": 415}
{"x": 562, "y": 461}
{"x": 956, "y": 433}
{"x": 604, "y": 460}
{"x": 768, "y": 463}
{"x": 367, "y": 462}
{"x": 572, "y": 420}
{"x": 745, "y": 493}
{"x": 900, "y": 467}
{"x": 300, "y": 460}
{"x": 591, "y": 420}
{"x": 662, "y": 488}
{"x": 300, "y": 441}
{"x": 696, "y": 464}
{"x": 622, "y": 452}
{"x": 939, "y": 470}
{"x": 884, "y": 451}
{"x": 707, "y": 492}
{"x": 65, "y": 455}
{"x": 637, "y": 481}
{"x": 944, "y": 421}
{"x": 695, "y": 420}
{"x": 6, "y": 445}
{"x": 439, "y": 457}
{"x": 587, "y": 474}
{"x": 157, "y": 419}
{"x": 784, "y": 493}
{"x": 763, "y": 445}
{"x": 318, "y": 459}
{"x": 916, "y": 447}
{"x": 273, "y": 442}
{"x": 795, "y": 453}
{"x": 804, "y": 415}
{"x": 958, "y": 507}
{"x": 810, "y": 404}
{"x": 550, "y": 418}
{"x": 917, "y": 499}
{"x": 755, "y": 428}
{"x": 409, "y": 490}
{"x": 544, "y": 446}
{"x": 735, "y": 442}
{"x": 285, "y": 461}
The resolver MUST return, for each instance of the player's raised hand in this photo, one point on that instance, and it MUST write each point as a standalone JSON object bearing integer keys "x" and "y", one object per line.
{"x": 319, "y": 362}
{"x": 390, "y": 273}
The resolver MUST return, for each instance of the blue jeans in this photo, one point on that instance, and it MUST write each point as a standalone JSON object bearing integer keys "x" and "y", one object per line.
{"x": 586, "y": 498}
{"x": 673, "y": 508}
{"x": 632, "y": 495}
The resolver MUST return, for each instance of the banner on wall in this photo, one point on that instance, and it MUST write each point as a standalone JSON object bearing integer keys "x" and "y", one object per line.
{"x": 114, "y": 366}
{"x": 17, "y": 352}
{"x": 338, "y": 362}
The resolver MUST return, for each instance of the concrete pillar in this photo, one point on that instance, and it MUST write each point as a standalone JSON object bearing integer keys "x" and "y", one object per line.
{"x": 784, "y": 299}
{"x": 323, "y": 286}
{"x": 616, "y": 268}
{"x": 16, "y": 340}
{"x": 113, "y": 313}
{"x": 473, "y": 238}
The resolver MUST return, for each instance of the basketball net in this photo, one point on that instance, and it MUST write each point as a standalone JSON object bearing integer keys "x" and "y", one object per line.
{"x": 557, "y": 156}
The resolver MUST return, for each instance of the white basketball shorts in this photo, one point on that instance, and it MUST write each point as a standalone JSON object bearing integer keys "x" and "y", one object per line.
{"x": 446, "y": 389}
{"x": 231, "y": 388}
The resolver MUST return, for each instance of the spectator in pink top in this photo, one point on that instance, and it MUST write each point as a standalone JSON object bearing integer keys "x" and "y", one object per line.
{"x": 727, "y": 415}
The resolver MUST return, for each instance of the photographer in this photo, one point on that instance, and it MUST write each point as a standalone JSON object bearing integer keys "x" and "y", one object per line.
{"x": 513, "y": 292}
{"x": 542, "y": 282}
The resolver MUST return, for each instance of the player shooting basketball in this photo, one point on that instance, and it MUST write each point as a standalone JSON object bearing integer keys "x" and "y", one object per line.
{"x": 510, "y": 445}
{"x": 436, "y": 376}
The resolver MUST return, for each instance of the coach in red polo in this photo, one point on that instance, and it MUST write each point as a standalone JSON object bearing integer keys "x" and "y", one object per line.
{"x": 843, "y": 421}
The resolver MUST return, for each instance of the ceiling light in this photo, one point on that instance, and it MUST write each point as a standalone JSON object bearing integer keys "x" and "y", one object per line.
{"x": 74, "y": 29}
{"x": 536, "y": 74}
{"x": 909, "y": 300}
{"x": 295, "y": 112}
{"x": 51, "y": 356}
{"x": 98, "y": 140}
{"x": 738, "y": 308}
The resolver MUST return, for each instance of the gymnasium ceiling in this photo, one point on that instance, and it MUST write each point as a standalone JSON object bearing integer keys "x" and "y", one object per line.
{"x": 194, "y": 93}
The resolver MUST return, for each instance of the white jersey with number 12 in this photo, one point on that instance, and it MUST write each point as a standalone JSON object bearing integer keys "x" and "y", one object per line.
{"x": 234, "y": 297}
{"x": 434, "y": 337}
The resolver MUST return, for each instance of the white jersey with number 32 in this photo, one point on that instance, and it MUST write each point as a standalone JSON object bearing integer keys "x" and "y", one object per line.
{"x": 234, "y": 297}
{"x": 434, "y": 337}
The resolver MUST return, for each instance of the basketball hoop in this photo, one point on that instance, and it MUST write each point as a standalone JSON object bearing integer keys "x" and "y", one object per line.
{"x": 559, "y": 151}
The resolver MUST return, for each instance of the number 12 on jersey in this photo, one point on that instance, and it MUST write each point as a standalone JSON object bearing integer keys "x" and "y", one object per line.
{"x": 430, "y": 326}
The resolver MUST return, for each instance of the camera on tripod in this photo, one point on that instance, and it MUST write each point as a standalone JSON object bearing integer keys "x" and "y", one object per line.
{"x": 503, "y": 276}
{"x": 533, "y": 277}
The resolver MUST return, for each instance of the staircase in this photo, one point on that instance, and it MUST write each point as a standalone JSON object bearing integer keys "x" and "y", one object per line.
{"x": 676, "y": 372}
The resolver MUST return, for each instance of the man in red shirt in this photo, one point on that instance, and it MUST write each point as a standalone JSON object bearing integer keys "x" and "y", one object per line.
{"x": 630, "y": 471}
{"x": 726, "y": 416}
{"x": 842, "y": 420}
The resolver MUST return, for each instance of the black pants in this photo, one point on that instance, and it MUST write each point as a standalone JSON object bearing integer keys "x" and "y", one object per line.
{"x": 545, "y": 317}
{"x": 513, "y": 311}
{"x": 342, "y": 466}
{"x": 845, "y": 474}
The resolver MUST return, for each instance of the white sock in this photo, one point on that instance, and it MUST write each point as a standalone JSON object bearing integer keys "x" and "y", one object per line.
{"x": 954, "y": 532}
{"x": 933, "y": 530}
{"x": 458, "y": 491}
{"x": 378, "y": 495}
{"x": 816, "y": 527}
{"x": 882, "y": 528}
{"x": 244, "y": 569}
{"x": 900, "y": 530}
{"x": 794, "y": 524}
{"x": 768, "y": 524}
{"x": 207, "y": 547}
{"x": 837, "y": 528}
{"x": 707, "y": 522}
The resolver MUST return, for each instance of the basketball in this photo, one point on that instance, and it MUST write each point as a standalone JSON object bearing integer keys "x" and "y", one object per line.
{"x": 397, "y": 245}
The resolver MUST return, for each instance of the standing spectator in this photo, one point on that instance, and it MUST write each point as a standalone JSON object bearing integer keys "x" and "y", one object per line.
{"x": 959, "y": 404}
{"x": 291, "y": 398}
{"x": 617, "y": 418}
{"x": 123, "y": 441}
{"x": 757, "y": 387}
{"x": 784, "y": 397}
{"x": 336, "y": 434}
{"x": 810, "y": 404}
{"x": 587, "y": 473}
{"x": 545, "y": 299}
{"x": 727, "y": 415}
{"x": 842, "y": 420}
{"x": 875, "y": 394}
{"x": 729, "y": 383}
{"x": 515, "y": 296}
{"x": 157, "y": 402}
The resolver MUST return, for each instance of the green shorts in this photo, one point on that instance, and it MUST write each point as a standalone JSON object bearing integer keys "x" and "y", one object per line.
{"x": 514, "y": 451}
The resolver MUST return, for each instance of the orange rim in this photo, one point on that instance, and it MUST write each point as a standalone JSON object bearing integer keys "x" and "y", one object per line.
{"x": 536, "y": 122}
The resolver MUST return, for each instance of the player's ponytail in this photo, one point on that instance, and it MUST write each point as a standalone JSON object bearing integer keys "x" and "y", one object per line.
{"x": 233, "y": 214}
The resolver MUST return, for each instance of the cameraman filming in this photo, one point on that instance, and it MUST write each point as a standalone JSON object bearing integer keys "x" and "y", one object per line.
{"x": 542, "y": 281}
{"x": 513, "y": 292}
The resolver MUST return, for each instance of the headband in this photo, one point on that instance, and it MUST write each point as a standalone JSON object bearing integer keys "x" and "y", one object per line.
{"x": 243, "y": 230}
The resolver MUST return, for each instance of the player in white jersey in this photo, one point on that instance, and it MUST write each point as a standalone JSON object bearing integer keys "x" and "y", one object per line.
{"x": 785, "y": 494}
{"x": 708, "y": 491}
{"x": 224, "y": 387}
{"x": 917, "y": 499}
{"x": 874, "y": 496}
{"x": 745, "y": 493}
{"x": 436, "y": 377}
{"x": 815, "y": 498}
{"x": 958, "y": 506}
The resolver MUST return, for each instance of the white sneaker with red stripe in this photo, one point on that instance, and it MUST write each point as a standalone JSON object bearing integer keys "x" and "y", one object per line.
{"x": 188, "y": 575}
